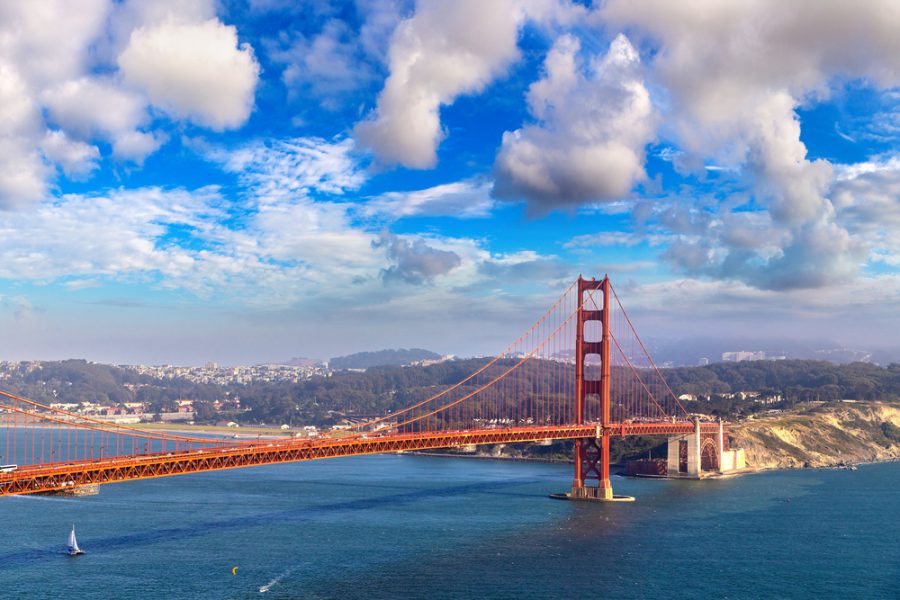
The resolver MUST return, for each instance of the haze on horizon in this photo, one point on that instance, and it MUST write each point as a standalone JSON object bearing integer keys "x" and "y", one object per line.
{"x": 243, "y": 181}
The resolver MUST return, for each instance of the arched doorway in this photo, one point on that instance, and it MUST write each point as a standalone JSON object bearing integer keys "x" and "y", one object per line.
{"x": 709, "y": 455}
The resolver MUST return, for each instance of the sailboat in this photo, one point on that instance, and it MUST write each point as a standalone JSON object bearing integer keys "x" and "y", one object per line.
{"x": 73, "y": 548}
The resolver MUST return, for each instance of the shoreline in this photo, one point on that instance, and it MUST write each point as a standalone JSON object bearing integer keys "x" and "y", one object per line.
{"x": 746, "y": 471}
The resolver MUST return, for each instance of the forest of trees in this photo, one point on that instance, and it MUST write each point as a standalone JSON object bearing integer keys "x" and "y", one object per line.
{"x": 326, "y": 400}
{"x": 796, "y": 381}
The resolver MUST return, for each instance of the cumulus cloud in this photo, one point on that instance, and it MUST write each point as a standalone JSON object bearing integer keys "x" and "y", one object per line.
{"x": 92, "y": 107}
{"x": 734, "y": 76}
{"x": 44, "y": 47}
{"x": 95, "y": 106}
{"x": 22, "y": 172}
{"x": 414, "y": 261}
{"x": 592, "y": 128}
{"x": 76, "y": 159}
{"x": 444, "y": 50}
{"x": 792, "y": 185}
{"x": 61, "y": 90}
{"x": 196, "y": 71}
{"x": 737, "y": 72}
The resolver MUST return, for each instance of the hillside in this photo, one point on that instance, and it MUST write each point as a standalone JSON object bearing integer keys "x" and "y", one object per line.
{"x": 382, "y": 358}
{"x": 821, "y": 435}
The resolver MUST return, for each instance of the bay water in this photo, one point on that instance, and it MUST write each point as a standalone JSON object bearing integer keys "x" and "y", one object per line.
{"x": 394, "y": 526}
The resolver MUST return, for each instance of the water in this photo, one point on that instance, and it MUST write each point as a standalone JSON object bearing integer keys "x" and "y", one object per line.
{"x": 404, "y": 526}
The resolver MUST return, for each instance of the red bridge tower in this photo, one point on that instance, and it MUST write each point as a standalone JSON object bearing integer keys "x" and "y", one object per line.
{"x": 592, "y": 454}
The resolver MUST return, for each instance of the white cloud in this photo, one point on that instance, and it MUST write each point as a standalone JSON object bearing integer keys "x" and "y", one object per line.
{"x": 734, "y": 75}
{"x": 37, "y": 50}
{"x": 133, "y": 14}
{"x": 92, "y": 107}
{"x": 22, "y": 172}
{"x": 285, "y": 169}
{"x": 462, "y": 199}
{"x": 95, "y": 106}
{"x": 611, "y": 238}
{"x": 589, "y": 142}
{"x": 137, "y": 145}
{"x": 45, "y": 47}
{"x": 852, "y": 171}
{"x": 76, "y": 159}
{"x": 294, "y": 252}
{"x": 444, "y": 50}
{"x": 327, "y": 66}
{"x": 867, "y": 203}
{"x": 60, "y": 91}
{"x": 380, "y": 17}
{"x": 193, "y": 70}
{"x": 111, "y": 235}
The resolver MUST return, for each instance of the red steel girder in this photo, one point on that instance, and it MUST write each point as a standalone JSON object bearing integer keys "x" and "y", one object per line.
{"x": 110, "y": 470}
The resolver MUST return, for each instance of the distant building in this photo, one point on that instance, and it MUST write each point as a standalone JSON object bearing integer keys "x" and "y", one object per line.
{"x": 703, "y": 361}
{"x": 742, "y": 355}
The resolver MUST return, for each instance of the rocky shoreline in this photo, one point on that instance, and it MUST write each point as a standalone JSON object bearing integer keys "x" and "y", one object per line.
{"x": 820, "y": 435}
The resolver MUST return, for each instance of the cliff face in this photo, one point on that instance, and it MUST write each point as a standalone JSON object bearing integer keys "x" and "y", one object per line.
{"x": 820, "y": 436}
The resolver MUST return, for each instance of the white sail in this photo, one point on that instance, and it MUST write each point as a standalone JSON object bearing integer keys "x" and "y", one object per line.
{"x": 73, "y": 543}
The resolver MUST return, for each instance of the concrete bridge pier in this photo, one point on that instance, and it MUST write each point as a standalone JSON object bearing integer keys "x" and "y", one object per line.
{"x": 695, "y": 455}
{"x": 592, "y": 464}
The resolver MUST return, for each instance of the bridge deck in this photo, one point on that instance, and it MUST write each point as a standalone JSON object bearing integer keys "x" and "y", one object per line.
{"x": 61, "y": 476}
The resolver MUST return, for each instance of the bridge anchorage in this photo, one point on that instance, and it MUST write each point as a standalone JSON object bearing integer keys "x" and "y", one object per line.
{"x": 579, "y": 373}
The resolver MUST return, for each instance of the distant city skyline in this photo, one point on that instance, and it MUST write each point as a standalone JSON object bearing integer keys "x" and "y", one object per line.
{"x": 246, "y": 181}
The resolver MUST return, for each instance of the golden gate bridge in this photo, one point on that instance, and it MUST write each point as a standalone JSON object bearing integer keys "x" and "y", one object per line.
{"x": 580, "y": 372}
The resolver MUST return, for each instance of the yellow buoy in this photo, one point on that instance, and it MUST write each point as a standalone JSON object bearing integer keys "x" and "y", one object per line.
{"x": 234, "y": 570}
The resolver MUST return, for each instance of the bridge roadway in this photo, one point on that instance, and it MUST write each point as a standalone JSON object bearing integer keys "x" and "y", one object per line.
{"x": 60, "y": 476}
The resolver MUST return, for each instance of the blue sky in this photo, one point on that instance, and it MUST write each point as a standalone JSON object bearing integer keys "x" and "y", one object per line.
{"x": 249, "y": 180}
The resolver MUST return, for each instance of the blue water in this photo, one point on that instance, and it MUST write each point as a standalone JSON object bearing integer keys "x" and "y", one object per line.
{"x": 405, "y": 526}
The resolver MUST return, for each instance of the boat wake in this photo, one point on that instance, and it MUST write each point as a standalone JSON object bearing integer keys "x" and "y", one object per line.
{"x": 276, "y": 581}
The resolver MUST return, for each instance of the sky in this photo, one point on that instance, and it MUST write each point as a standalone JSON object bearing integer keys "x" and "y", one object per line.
{"x": 244, "y": 181}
